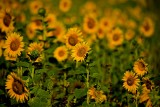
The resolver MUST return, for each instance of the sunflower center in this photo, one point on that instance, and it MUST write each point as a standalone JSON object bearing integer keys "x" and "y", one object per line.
{"x": 148, "y": 85}
{"x": 15, "y": 45}
{"x": 7, "y": 19}
{"x": 57, "y": 31}
{"x": 146, "y": 27}
{"x": 65, "y": 4}
{"x": 73, "y": 40}
{"x": 130, "y": 81}
{"x": 116, "y": 37}
{"x": 105, "y": 23}
{"x": 100, "y": 31}
{"x": 91, "y": 23}
{"x": 141, "y": 66}
{"x": 81, "y": 52}
{"x": 18, "y": 87}
{"x": 61, "y": 53}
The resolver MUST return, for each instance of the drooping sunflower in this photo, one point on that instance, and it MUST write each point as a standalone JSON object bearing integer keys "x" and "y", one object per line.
{"x": 61, "y": 53}
{"x": 6, "y": 20}
{"x": 16, "y": 88}
{"x": 144, "y": 97}
{"x": 80, "y": 51}
{"x": 50, "y": 18}
{"x": 131, "y": 81}
{"x": 147, "y": 27}
{"x": 140, "y": 67}
{"x": 65, "y": 5}
{"x": 14, "y": 44}
{"x": 91, "y": 92}
{"x": 115, "y": 37}
{"x": 73, "y": 37}
{"x": 34, "y": 52}
{"x": 90, "y": 24}
{"x": 147, "y": 84}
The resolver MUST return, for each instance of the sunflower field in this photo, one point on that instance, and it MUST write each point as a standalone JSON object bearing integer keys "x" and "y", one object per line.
{"x": 79, "y": 53}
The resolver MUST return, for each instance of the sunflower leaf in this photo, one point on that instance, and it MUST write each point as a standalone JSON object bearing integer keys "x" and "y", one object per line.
{"x": 22, "y": 64}
{"x": 80, "y": 93}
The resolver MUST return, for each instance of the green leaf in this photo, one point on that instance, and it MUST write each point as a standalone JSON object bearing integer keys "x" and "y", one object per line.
{"x": 96, "y": 75}
{"x": 80, "y": 93}
{"x": 42, "y": 93}
{"x": 22, "y": 64}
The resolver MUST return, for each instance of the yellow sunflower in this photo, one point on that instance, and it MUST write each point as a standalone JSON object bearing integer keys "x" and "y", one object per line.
{"x": 144, "y": 97}
{"x": 16, "y": 88}
{"x": 65, "y": 5}
{"x": 106, "y": 23}
{"x": 8, "y": 57}
{"x": 35, "y": 52}
{"x": 90, "y": 24}
{"x": 61, "y": 53}
{"x": 6, "y": 20}
{"x": 100, "y": 33}
{"x": 147, "y": 27}
{"x": 140, "y": 67}
{"x": 73, "y": 37}
{"x": 131, "y": 81}
{"x": 115, "y": 37}
{"x": 97, "y": 95}
{"x": 50, "y": 18}
{"x": 147, "y": 84}
{"x": 35, "y": 6}
{"x": 129, "y": 35}
{"x": 91, "y": 92}
{"x": 58, "y": 32}
{"x": 14, "y": 45}
{"x": 80, "y": 51}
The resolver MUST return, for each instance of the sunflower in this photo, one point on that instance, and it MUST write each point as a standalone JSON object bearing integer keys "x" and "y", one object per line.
{"x": 97, "y": 95}
{"x": 80, "y": 51}
{"x": 106, "y": 23}
{"x": 73, "y": 37}
{"x": 140, "y": 67}
{"x": 147, "y": 27}
{"x": 144, "y": 97}
{"x": 129, "y": 34}
{"x": 91, "y": 92}
{"x": 8, "y": 57}
{"x": 31, "y": 30}
{"x": 147, "y": 84}
{"x": 115, "y": 37}
{"x": 131, "y": 81}
{"x": 90, "y": 24}
{"x": 35, "y": 6}
{"x": 61, "y": 53}
{"x": 50, "y": 18}
{"x": 58, "y": 32}
{"x": 6, "y": 20}
{"x": 100, "y": 33}
{"x": 13, "y": 44}
{"x": 34, "y": 52}
{"x": 65, "y": 5}
{"x": 16, "y": 88}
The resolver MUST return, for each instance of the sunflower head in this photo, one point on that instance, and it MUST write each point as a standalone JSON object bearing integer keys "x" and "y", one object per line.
{"x": 6, "y": 20}
{"x": 147, "y": 84}
{"x": 16, "y": 88}
{"x": 13, "y": 44}
{"x": 80, "y": 51}
{"x": 140, "y": 67}
{"x": 34, "y": 52}
{"x": 147, "y": 27}
{"x": 61, "y": 53}
{"x": 73, "y": 37}
{"x": 65, "y": 5}
{"x": 90, "y": 24}
{"x": 131, "y": 81}
{"x": 115, "y": 37}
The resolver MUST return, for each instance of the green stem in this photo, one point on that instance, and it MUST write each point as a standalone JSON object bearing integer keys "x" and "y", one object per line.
{"x": 65, "y": 82}
{"x": 87, "y": 83}
{"x": 136, "y": 100}
{"x": 32, "y": 72}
